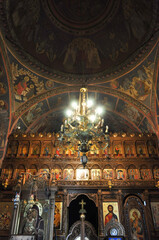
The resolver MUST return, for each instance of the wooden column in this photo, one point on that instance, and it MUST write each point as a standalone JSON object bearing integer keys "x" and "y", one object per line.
{"x": 111, "y": 149}
{"x": 19, "y": 149}
{"x": 74, "y": 177}
{"x": 53, "y": 190}
{"x": 121, "y": 212}
{"x": 52, "y": 149}
{"x": 64, "y": 230}
{"x": 123, "y": 148}
{"x": 135, "y": 150}
{"x": 41, "y": 148}
{"x": 100, "y": 214}
{"x": 127, "y": 174}
{"x": 146, "y": 149}
{"x": 29, "y": 150}
{"x": 90, "y": 174}
{"x": 15, "y": 171}
{"x": 148, "y": 215}
{"x": 115, "y": 175}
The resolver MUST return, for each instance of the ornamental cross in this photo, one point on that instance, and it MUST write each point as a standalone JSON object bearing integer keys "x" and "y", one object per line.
{"x": 82, "y": 203}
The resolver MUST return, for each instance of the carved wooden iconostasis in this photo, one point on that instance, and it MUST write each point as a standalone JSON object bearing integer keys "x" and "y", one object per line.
{"x": 125, "y": 182}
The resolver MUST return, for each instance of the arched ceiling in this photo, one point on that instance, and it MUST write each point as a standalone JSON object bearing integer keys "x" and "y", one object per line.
{"x": 81, "y": 40}
{"x": 50, "y": 48}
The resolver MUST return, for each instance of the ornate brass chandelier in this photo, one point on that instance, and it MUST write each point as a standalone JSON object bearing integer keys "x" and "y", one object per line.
{"x": 83, "y": 127}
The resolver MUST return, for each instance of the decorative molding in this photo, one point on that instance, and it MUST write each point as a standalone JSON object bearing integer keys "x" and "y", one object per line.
{"x": 91, "y": 196}
{"x": 64, "y": 89}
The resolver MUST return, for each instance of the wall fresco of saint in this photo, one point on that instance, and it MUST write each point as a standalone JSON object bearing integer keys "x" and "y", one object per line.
{"x": 4, "y": 102}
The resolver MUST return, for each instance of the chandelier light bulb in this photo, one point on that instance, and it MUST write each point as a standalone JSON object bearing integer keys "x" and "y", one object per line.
{"x": 89, "y": 103}
{"x": 99, "y": 110}
{"x": 62, "y": 128}
{"x": 106, "y": 129}
{"x": 69, "y": 113}
{"x": 74, "y": 105}
{"x": 102, "y": 122}
{"x": 92, "y": 118}
{"x": 78, "y": 118}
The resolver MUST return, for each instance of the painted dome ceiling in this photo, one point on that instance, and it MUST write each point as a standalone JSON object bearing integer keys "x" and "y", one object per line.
{"x": 50, "y": 48}
{"x": 90, "y": 41}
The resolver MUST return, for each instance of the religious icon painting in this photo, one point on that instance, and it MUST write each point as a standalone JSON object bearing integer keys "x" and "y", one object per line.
{"x": 121, "y": 174}
{"x": 6, "y": 209}
{"x": 134, "y": 174}
{"x": 12, "y": 148}
{"x": 35, "y": 149}
{"x": 108, "y": 174}
{"x": 24, "y": 149}
{"x": 57, "y": 173}
{"x": 96, "y": 174}
{"x": 44, "y": 173}
{"x": 82, "y": 174}
{"x": 146, "y": 174}
{"x": 47, "y": 150}
{"x": 8, "y": 171}
{"x": 156, "y": 173}
{"x": 69, "y": 152}
{"x": 129, "y": 150}
{"x": 155, "y": 214}
{"x": 59, "y": 152}
{"x": 136, "y": 224}
{"x": 58, "y": 215}
{"x": 94, "y": 150}
{"x": 105, "y": 152}
{"x": 140, "y": 149}
{"x": 34, "y": 217}
{"x": 68, "y": 174}
{"x": 110, "y": 210}
{"x": 20, "y": 171}
{"x": 32, "y": 170}
{"x": 152, "y": 148}
{"x": 117, "y": 150}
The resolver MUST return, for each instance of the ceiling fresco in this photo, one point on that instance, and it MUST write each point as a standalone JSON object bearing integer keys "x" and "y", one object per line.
{"x": 26, "y": 84}
{"x": 34, "y": 98}
{"x": 84, "y": 40}
{"x": 129, "y": 112}
{"x": 139, "y": 82}
{"x": 51, "y": 48}
{"x": 145, "y": 126}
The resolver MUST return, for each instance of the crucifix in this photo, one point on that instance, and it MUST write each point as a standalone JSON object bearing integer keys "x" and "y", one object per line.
{"x": 82, "y": 203}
